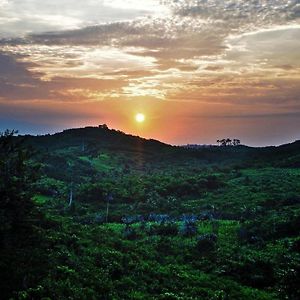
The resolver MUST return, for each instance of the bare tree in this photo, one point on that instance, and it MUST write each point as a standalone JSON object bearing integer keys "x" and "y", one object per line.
{"x": 71, "y": 195}
{"x": 109, "y": 198}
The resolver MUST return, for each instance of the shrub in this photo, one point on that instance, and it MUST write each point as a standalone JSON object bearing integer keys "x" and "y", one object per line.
{"x": 167, "y": 229}
{"x": 130, "y": 233}
{"x": 189, "y": 226}
{"x": 206, "y": 242}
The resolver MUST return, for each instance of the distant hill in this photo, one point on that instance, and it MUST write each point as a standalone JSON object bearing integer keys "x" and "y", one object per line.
{"x": 101, "y": 137}
{"x": 287, "y": 155}
{"x": 91, "y": 140}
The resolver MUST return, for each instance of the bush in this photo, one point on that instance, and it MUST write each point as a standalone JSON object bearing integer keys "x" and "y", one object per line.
{"x": 206, "y": 242}
{"x": 189, "y": 226}
{"x": 257, "y": 274}
{"x": 130, "y": 233}
{"x": 167, "y": 229}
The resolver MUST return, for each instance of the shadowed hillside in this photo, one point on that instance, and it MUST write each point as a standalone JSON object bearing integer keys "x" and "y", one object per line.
{"x": 91, "y": 140}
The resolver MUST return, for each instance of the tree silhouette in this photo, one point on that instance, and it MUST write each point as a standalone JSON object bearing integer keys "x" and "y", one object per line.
{"x": 236, "y": 142}
{"x": 228, "y": 142}
{"x": 223, "y": 142}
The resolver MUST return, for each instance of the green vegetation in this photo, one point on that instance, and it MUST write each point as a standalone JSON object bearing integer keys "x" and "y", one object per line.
{"x": 147, "y": 220}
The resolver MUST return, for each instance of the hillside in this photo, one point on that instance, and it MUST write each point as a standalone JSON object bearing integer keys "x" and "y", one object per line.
{"x": 116, "y": 216}
{"x": 101, "y": 137}
{"x": 91, "y": 140}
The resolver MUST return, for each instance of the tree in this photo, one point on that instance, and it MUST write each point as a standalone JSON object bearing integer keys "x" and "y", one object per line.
{"x": 17, "y": 174}
{"x": 18, "y": 216}
{"x": 223, "y": 142}
{"x": 228, "y": 142}
{"x": 109, "y": 198}
{"x": 236, "y": 142}
{"x": 71, "y": 194}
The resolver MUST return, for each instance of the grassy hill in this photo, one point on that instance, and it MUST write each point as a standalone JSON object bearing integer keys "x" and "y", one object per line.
{"x": 153, "y": 221}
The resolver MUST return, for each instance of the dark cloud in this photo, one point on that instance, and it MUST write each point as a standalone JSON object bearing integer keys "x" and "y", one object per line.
{"x": 274, "y": 11}
{"x": 17, "y": 83}
{"x": 95, "y": 35}
{"x": 160, "y": 38}
{"x": 12, "y": 71}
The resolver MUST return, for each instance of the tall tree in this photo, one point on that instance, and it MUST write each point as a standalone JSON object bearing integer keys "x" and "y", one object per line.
{"x": 17, "y": 213}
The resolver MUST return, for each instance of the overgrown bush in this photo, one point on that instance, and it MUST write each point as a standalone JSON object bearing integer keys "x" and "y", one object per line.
{"x": 206, "y": 243}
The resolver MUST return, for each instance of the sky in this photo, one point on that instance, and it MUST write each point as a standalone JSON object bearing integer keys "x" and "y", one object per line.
{"x": 199, "y": 70}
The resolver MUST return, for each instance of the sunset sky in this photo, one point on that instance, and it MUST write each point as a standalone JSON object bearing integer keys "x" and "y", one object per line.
{"x": 199, "y": 70}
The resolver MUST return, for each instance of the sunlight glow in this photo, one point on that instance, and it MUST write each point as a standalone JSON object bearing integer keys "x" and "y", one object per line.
{"x": 140, "y": 118}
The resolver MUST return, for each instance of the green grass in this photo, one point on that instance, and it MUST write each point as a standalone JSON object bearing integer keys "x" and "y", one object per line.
{"x": 41, "y": 199}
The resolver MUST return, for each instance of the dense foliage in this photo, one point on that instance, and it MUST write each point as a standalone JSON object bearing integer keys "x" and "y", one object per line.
{"x": 19, "y": 217}
{"x": 147, "y": 220}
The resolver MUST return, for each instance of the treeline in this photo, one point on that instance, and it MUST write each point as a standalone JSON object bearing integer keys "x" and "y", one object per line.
{"x": 228, "y": 142}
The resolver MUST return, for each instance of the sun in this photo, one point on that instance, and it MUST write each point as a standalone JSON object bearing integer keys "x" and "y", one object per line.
{"x": 140, "y": 118}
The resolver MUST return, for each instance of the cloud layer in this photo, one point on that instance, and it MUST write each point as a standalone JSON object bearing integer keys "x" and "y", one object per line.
{"x": 241, "y": 55}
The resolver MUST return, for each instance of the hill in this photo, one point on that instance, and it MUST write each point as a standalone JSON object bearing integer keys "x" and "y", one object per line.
{"x": 114, "y": 216}
{"x": 92, "y": 140}
{"x": 140, "y": 174}
{"x": 100, "y": 137}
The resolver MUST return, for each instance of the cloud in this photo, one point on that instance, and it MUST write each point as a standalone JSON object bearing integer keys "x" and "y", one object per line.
{"x": 19, "y": 17}
{"x": 251, "y": 12}
{"x": 241, "y": 57}
{"x": 11, "y": 70}
{"x": 81, "y": 61}
{"x": 18, "y": 83}
{"x": 278, "y": 45}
